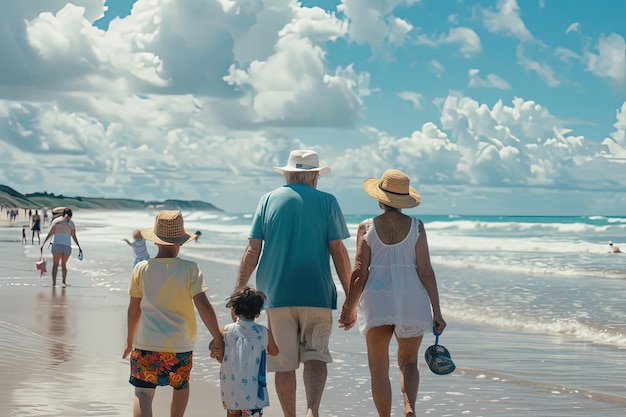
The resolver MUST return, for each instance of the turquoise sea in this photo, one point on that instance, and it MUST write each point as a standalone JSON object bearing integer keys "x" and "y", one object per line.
{"x": 536, "y": 309}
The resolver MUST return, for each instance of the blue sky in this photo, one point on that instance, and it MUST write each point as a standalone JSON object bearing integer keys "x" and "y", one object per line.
{"x": 491, "y": 107}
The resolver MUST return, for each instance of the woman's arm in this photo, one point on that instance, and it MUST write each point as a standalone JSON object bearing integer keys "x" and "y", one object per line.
{"x": 76, "y": 240}
{"x": 427, "y": 276}
{"x": 358, "y": 279}
{"x": 48, "y": 236}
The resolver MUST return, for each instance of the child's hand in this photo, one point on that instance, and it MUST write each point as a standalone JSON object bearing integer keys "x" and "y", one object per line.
{"x": 216, "y": 352}
{"x": 127, "y": 351}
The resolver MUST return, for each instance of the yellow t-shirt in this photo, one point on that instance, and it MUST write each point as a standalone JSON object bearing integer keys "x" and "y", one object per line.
{"x": 166, "y": 287}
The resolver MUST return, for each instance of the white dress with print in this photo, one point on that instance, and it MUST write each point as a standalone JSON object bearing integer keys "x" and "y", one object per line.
{"x": 244, "y": 345}
{"x": 393, "y": 293}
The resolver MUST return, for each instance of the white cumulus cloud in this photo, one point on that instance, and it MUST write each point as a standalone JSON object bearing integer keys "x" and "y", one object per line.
{"x": 467, "y": 40}
{"x": 372, "y": 22}
{"x": 412, "y": 97}
{"x": 507, "y": 20}
{"x": 610, "y": 61}
{"x": 491, "y": 81}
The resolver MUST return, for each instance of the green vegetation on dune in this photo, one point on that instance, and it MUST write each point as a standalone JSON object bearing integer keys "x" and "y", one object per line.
{"x": 11, "y": 198}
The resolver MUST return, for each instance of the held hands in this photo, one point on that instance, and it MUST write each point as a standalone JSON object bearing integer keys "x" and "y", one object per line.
{"x": 347, "y": 319}
{"x": 217, "y": 352}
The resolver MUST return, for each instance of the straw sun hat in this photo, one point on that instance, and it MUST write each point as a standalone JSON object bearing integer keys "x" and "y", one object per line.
{"x": 302, "y": 161}
{"x": 169, "y": 229}
{"x": 393, "y": 189}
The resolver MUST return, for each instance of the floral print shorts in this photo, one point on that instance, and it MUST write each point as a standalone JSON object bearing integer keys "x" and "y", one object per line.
{"x": 151, "y": 369}
{"x": 257, "y": 412}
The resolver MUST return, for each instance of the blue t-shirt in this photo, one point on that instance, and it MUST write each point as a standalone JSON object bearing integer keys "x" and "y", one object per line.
{"x": 296, "y": 223}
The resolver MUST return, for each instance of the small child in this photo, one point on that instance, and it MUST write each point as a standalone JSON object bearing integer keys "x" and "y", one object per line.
{"x": 242, "y": 373}
{"x": 23, "y": 235}
{"x": 139, "y": 247}
{"x": 161, "y": 317}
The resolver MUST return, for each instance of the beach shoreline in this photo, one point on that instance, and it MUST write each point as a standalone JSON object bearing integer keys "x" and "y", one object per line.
{"x": 63, "y": 347}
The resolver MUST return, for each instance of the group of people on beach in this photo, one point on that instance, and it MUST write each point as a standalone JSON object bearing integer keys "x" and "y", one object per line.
{"x": 390, "y": 292}
{"x": 34, "y": 222}
{"x": 61, "y": 233}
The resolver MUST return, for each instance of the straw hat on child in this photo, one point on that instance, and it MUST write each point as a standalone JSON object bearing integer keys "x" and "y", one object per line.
{"x": 393, "y": 189}
{"x": 169, "y": 229}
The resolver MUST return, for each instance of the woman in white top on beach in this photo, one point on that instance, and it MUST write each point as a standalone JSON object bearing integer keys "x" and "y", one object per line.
{"x": 393, "y": 284}
{"x": 62, "y": 231}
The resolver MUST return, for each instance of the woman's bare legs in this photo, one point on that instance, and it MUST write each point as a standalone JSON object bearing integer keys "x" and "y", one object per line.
{"x": 56, "y": 259}
{"x": 64, "y": 259}
{"x": 378, "y": 339}
{"x": 409, "y": 373}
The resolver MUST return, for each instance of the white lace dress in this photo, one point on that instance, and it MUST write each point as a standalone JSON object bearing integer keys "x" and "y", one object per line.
{"x": 394, "y": 294}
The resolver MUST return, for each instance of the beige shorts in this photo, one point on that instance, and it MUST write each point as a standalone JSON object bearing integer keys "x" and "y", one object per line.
{"x": 301, "y": 333}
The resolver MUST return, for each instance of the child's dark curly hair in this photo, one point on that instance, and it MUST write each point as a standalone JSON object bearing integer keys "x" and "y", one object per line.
{"x": 247, "y": 303}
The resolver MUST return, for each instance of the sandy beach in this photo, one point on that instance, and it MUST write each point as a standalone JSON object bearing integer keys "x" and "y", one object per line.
{"x": 62, "y": 348}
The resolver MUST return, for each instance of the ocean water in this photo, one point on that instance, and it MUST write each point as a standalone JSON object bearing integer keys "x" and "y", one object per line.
{"x": 535, "y": 307}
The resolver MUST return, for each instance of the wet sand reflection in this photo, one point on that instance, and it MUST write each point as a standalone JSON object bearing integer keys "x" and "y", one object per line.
{"x": 57, "y": 327}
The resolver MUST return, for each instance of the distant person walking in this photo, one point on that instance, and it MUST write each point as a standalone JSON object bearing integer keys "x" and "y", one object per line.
{"x": 394, "y": 286}
{"x": 23, "y": 235}
{"x": 139, "y": 247}
{"x": 161, "y": 319}
{"x": 36, "y": 227}
{"x": 62, "y": 231}
{"x": 298, "y": 229}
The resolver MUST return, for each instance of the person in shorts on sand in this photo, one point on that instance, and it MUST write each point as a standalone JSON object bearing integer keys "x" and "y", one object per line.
{"x": 161, "y": 317}
{"x": 62, "y": 231}
{"x": 298, "y": 229}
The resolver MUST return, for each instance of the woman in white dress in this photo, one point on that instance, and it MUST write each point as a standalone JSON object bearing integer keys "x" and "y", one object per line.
{"x": 393, "y": 284}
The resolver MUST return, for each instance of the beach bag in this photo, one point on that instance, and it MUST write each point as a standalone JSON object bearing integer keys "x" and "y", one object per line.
{"x": 41, "y": 266}
{"x": 438, "y": 358}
